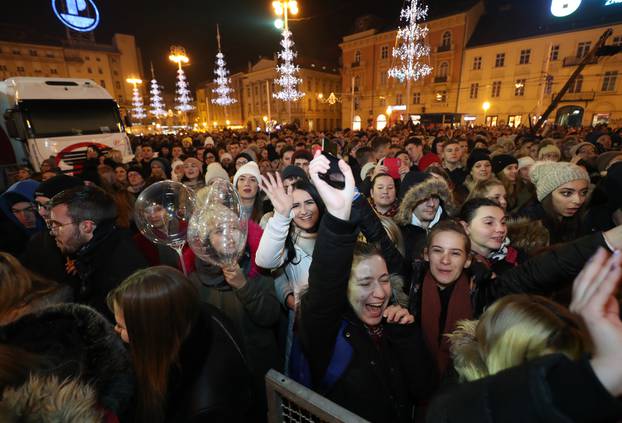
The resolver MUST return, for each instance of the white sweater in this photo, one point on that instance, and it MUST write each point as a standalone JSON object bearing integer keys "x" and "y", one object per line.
{"x": 271, "y": 254}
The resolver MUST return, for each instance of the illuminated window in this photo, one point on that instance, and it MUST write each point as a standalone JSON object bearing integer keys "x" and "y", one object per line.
{"x": 356, "y": 123}
{"x": 381, "y": 122}
{"x": 474, "y": 91}
{"x": 519, "y": 88}
{"x": 524, "y": 56}
{"x": 441, "y": 96}
{"x": 554, "y": 53}
{"x": 477, "y": 63}
{"x": 500, "y": 60}
{"x": 514, "y": 120}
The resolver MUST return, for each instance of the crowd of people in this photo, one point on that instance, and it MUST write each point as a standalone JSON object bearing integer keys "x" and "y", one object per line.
{"x": 410, "y": 274}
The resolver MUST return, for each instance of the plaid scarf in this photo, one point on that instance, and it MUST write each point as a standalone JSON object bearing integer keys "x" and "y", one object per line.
{"x": 389, "y": 213}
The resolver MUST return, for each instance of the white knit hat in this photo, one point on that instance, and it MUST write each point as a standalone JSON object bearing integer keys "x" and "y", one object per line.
{"x": 249, "y": 168}
{"x": 548, "y": 176}
{"x": 175, "y": 163}
{"x": 215, "y": 170}
{"x": 525, "y": 161}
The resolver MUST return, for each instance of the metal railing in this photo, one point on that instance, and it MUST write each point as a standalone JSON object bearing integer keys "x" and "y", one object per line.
{"x": 440, "y": 79}
{"x": 290, "y": 402}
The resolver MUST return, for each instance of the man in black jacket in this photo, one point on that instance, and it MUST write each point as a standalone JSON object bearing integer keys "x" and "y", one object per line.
{"x": 82, "y": 223}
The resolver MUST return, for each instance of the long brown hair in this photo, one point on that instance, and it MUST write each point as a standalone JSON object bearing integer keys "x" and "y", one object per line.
{"x": 20, "y": 287}
{"x": 159, "y": 306}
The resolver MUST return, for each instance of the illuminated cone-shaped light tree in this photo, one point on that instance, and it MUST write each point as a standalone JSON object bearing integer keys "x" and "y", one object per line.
{"x": 157, "y": 103}
{"x": 411, "y": 49}
{"x": 287, "y": 80}
{"x": 222, "y": 80}
{"x": 138, "y": 109}
{"x": 183, "y": 97}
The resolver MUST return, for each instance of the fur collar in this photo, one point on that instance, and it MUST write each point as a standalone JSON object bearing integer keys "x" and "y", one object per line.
{"x": 431, "y": 187}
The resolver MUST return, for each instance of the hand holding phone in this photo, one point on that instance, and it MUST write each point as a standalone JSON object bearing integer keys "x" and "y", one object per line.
{"x": 393, "y": 166}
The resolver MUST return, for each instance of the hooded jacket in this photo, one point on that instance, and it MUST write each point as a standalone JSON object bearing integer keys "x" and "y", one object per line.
{"x": 14, "y": 234}
{"x": 76, "y": 343}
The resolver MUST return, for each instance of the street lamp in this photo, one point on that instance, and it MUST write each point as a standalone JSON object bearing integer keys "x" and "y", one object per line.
{"x": 178, "y": 55}
{"x": 485, "y": 106}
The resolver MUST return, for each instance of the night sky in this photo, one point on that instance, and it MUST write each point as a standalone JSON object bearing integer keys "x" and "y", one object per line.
{"x": 246, "y": 27}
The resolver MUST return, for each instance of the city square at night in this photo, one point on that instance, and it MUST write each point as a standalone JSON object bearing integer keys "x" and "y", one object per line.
{"x": 311, "y": 211}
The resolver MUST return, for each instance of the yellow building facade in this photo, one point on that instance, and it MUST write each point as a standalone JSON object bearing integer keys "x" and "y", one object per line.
{"x": 371, "y": 98}
{"x": 214, "y": 116}
{"x": 519, "y": 78}
{"x": 109, "y": 65}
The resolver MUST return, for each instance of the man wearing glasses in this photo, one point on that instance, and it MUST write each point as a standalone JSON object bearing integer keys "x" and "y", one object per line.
{"x": 42, "y": 255}
{"x": 19, "y": 221}
{"x": 82, "y": 222}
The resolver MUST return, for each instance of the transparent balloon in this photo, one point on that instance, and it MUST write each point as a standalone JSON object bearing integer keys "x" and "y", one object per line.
{"x": 162, "y": 213}
{"x": 217, "y": 230}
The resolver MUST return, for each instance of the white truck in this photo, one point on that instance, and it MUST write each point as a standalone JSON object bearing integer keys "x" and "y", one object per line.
{"x": 56, "y": 117}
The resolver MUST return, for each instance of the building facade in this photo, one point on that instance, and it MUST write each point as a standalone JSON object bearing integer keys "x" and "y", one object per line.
{"x": 109, "y": 65}
{"x": 371, "y": 98}
{"x": 518, "y": 79}
{"x": 213, "y": 115}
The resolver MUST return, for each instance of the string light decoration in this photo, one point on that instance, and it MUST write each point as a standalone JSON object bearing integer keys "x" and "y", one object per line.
{"x": 184, "y": 99}
{"x": 287, "y": 71}
{"x": 222, "y": 80}
{"x": 410, "y": 43}
{"x": 138, "y": 109}
{"x": 156, "y": 102}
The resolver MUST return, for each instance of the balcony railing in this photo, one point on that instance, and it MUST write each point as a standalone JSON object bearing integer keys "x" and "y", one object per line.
{"x": 574, "y": 60}
{"x": 355, "y": 64}
{"x": 76, "y": 59}
{"x": 440, "y": 79}
{"x": 580, "y": 96}
{"x": 443, "y": 47}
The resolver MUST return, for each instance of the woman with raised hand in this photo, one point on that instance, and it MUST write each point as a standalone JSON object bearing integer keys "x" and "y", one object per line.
{"x": 557, "y": 387}
{"x": 286, "y": 246}
{"x": 357, "y": 350}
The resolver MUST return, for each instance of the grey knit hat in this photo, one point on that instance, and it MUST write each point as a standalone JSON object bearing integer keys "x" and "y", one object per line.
{"x": 548, "y": 176}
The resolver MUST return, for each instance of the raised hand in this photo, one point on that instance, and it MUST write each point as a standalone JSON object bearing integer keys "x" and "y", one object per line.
{"x": 398, "y": 314}
{"x": 338, "y": 202}
{"x": 593, "y": 298}
{"x": 280, "y": 197}
{"x": 234, "y": 276}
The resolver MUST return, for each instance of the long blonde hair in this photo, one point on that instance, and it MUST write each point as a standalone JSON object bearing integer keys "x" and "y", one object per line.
{"x": 515, "y": 329}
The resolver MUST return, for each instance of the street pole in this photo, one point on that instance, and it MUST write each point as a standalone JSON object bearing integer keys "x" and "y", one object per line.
{"x": 268, "y": 99}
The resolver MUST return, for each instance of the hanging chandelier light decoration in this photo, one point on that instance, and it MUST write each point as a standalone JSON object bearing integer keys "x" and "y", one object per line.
{"x": 222, "y": 80}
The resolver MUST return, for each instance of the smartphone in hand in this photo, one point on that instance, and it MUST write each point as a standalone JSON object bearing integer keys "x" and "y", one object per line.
{"x": 393, "y": 166}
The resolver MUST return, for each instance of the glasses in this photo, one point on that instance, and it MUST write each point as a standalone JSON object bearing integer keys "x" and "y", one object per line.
{"x": 41, "y": 206}
{"x": 29, "y": 209}
{"x": 54, "y": 226}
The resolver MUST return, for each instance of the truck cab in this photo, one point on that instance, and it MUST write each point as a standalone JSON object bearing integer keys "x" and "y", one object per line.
{"x": 42, "y": 118}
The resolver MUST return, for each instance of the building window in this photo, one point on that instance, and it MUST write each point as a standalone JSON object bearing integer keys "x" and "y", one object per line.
{"x": 496, "y": 89}
{"x": 113, "y": 60}
{"x": 446, "y": 43}
{"x": 98, "y": 59}
{"x": 357, "y": 102}
{"x": 519, "y": 88}
{"x": 443, "y": 69}
{"x": 554, "y": 55}
{"x": 583, "y": 49}
{"x": 102, "y": 83}
{"x": 3, "y": 68}
{"x": 416, "y": 98}
{"x": 617, "y": 41}
{"x": 89, "y": 70}
{"x": 384, "y": 52}
{"x": 17, "y": 52}
{"x": 33, "y": 52}
{"x": 87, "y": 58}
{"x": 54, "y": 71}
{"x": 474, "y": 90}
{"x": 398, "y": 98}
{"x": 356, "y": 123}
{"x": 500, "y": 60}
{"x": 477, "y": 63}
{"x": 101, "y": 72}
{"x": 20, "y": 69}
{"x": 49, "y": 54}
{"x": 383, "y": 78}
{"x": 609, "y": 81}
{"x": 115, "y": 73}
{"x": 577, "y": 85}
{"x": 118, "y": 85}
{"x": 524, "y": 56}
{"x": 357, "y": 83}
{"x": 357, "y": 57}
{"x": 514, "y": 120}
{"x": 441, "y": 96}
{"x": 548, "y": 85}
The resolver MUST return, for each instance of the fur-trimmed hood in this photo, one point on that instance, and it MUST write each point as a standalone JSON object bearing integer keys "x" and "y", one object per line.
{"x": 528, "y": 235}
{"x": 47, "y": 400}
{"x": 76, "y": 342}
{"x": 431, "y": 187}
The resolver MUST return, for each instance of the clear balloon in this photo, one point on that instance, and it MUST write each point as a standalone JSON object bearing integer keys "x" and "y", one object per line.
{"x": 217, "y": 230}
{"x": 162, "y": 213}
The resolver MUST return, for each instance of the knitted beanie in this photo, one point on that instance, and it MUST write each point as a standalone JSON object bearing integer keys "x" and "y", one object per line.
{"x": 428, "y": 159}
{"x": 525, "y": 161}
{"x": 548, "y": 176}
{"x": 249, "y": 168}
{"x": 196, "y": 162}
{"x": 547, "y": 149}
{"x": 477, "y": 155}
{"x": 215, "y": 170}
{"x": 501, "y": 161}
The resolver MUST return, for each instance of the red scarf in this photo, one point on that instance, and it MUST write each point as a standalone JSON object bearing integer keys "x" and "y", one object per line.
{"x": 459, "y": 308}
{"x": 389, "y": 213}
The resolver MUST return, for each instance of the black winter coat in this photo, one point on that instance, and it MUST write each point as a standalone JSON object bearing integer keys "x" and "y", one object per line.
{"x": 381, "y": 384}
{"x": 542, "y": 274}
{"x": 212, "y": 382}
{"x": 550, "y": 389}
{"x": 43, "y": 257}
{"x": 103, "y": 263}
